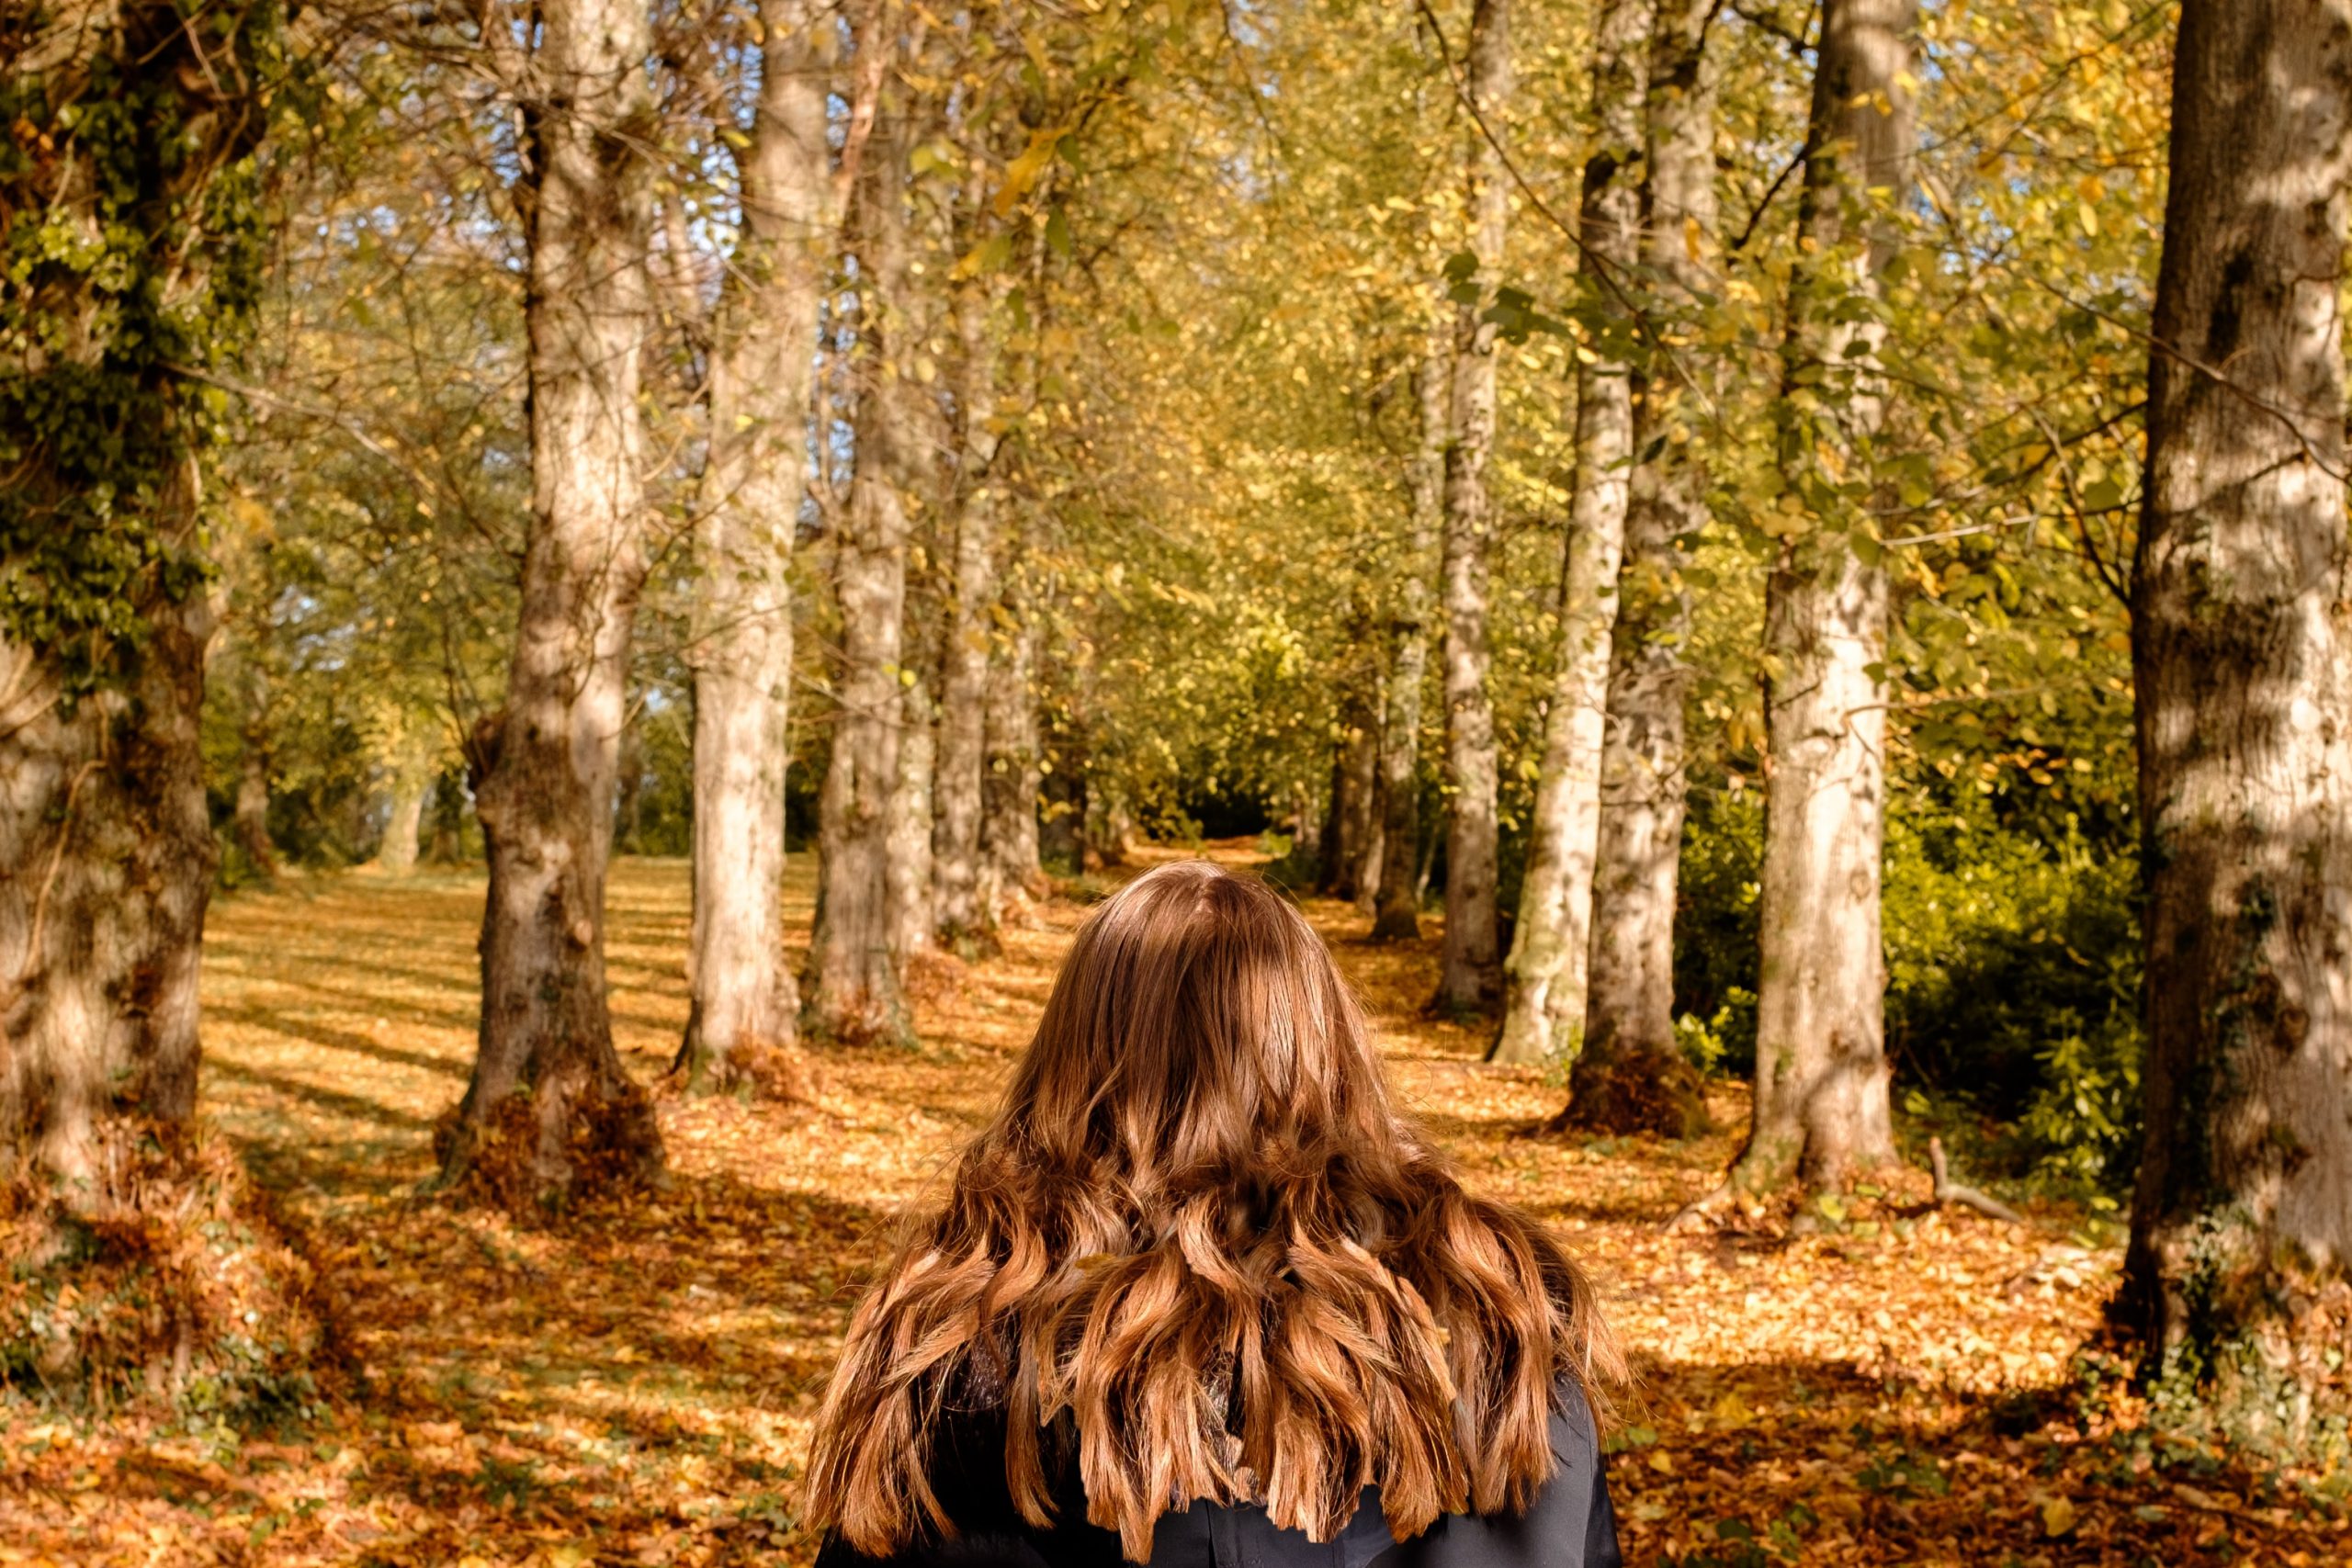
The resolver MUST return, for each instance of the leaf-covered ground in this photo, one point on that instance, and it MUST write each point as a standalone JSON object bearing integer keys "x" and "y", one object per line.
{"x": 633, "y": 1384}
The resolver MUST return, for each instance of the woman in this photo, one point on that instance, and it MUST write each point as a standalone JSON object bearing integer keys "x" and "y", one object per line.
{"x": 1200, "y": 1296}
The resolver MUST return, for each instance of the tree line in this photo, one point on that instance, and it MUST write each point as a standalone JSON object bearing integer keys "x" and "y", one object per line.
{"x": 1533, "y": 458}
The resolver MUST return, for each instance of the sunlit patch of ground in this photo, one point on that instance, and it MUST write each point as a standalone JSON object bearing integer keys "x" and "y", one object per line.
{"x": 633, "y": 1384}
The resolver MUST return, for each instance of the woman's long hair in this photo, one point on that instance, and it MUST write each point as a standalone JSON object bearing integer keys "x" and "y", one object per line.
{"x": 1199, "y": 1230}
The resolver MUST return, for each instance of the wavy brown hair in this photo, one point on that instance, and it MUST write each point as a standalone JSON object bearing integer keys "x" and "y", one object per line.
{"x": 1198, "y": 1239}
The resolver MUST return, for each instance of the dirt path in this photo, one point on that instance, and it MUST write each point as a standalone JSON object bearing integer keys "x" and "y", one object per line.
{"x": 634, "y": 1385}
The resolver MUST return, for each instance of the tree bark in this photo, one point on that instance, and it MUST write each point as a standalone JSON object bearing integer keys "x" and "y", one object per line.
{"x": 629, "y": 785}
{"x": 1631, "y": 1077}
{"x": 1061, "y": 816}
{"x": 1821, "y": 1071}
{"x": 1470, "y": 976}
{"x": 2242, "y": 1223}
{"x": 744, "y": 1000}
{"x": 106, "y": 847}
{"x": 913, "y": 920}
{"x": 411, "y": 779}
{"x": 964, "y": 653}
{"x": 1010, "y": 866}
{"x": 854, "y": 987}
{"x": 252, "y": 812}
{"x": 1355, "y": 779}
{"x": 545, "y": 766}
{"x": 1543, "y": 996}
{"x": 1397, "y": 915}
{"x": 107, "y": 850}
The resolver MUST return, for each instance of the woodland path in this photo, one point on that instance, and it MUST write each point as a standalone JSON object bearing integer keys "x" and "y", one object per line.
{"x": 634, "y": 1383}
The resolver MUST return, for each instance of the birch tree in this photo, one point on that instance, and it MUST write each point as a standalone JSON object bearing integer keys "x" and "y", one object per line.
{"x": 854, "y": 981}
{"x": 1545, "y": 979}
{"x": 1396, "y": 913}
{"x": 545, "y": 764}
{"x": 761, "y": 379}
{"x": 1470, "y": 976}
{"x": 1629, "y": 1074}
{"x": 2242, "y": 1222}
{"x": 967, "y": 636}
{"x": 1822, "y": 1105}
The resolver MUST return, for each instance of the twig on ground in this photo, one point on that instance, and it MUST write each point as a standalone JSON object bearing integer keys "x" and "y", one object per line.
{"x": 1951, "y": 1191}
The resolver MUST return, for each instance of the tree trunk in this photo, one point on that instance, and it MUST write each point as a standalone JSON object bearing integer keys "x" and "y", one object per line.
{"x": 106, "y": 847}
{"x": 108, "y": 852}
{"x": 2242, "y": 1223}
{"x": 1543, "y": 995}
{"x": 1631, "y": 1077}
{"x": 412, "y": 777}
{"x": 252, "y": 816}
{"x": 1011, "y": 868}
{"x": 912, "y": 919}
{"x": 1061, "y": 816}
{"x": 854, "y": 982}
{"x": 1470, "y": 975}
{"x": 544, "y": 767}
{"x": 1821, "y": 1070}
{"x": 628, "y": 785}
{"x": 744, "y": 1001}
{"x": 964, "y": 654}
{"x": 1355, "y": 778}
{"x": 1397, "y": 905}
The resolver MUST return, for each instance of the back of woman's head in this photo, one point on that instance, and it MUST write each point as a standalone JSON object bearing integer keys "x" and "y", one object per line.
{"x": 1197, "y": 1239}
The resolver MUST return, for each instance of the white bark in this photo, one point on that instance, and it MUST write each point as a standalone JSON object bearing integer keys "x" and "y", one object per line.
{"x": 546, "y": 765}
{"x": 1011, "y": 868}
{"x": 411, "y": 779}
{"x": 1397, "y": 902}
{"x": 762, "y": 375}
{"x": 1630, "y": 1074}
{"x": 964, "y": 654}
{"x": 1469, "y": 977}
{"x": 1545, "y": 982}
{"x": 854, "y": 981}
{"x": 1821, "y": 1104}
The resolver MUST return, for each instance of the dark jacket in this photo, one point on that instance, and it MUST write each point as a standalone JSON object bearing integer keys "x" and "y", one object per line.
{"x": 1570, "y": 1524}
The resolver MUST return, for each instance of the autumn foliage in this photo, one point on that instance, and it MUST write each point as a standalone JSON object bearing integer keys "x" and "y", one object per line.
{"x": 631, "y": 1381}
{"x": 172, "y": 1286}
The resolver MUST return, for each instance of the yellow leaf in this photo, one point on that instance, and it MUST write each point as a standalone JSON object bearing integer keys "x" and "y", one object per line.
{"x": 2057, "y": 1515}
{"x": 1025, "y": 169}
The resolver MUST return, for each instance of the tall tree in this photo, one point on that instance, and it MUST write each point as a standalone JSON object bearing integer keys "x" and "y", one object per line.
{"x": 129, "y": 272}
{"x": 1821, "y": 1071}
{"x": 1544, "y": 985}
{"x": 2243, "y": 1218}
{"x": 853, "y": 982}
{"x": 545, "y": 766}
{"x": 1470, "y": 977}
{"x": 1012, "y": 862}
{"x": 1396, "y": 912}
{"x": 965, "y": 640}
{"x": 1630, "y": 1075}
{"x": 761, "y": 381}
{"x": 1351, "y": 844}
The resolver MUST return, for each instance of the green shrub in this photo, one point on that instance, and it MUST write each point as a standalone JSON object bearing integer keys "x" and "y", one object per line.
{"x": 2013, "y": 973}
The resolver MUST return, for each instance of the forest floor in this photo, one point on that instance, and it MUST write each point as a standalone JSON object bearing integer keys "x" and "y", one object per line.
{"x": 633, "y": 1383}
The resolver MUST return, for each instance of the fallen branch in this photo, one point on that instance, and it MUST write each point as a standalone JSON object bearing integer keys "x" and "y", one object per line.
{"x": 1951, "y": 1191}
